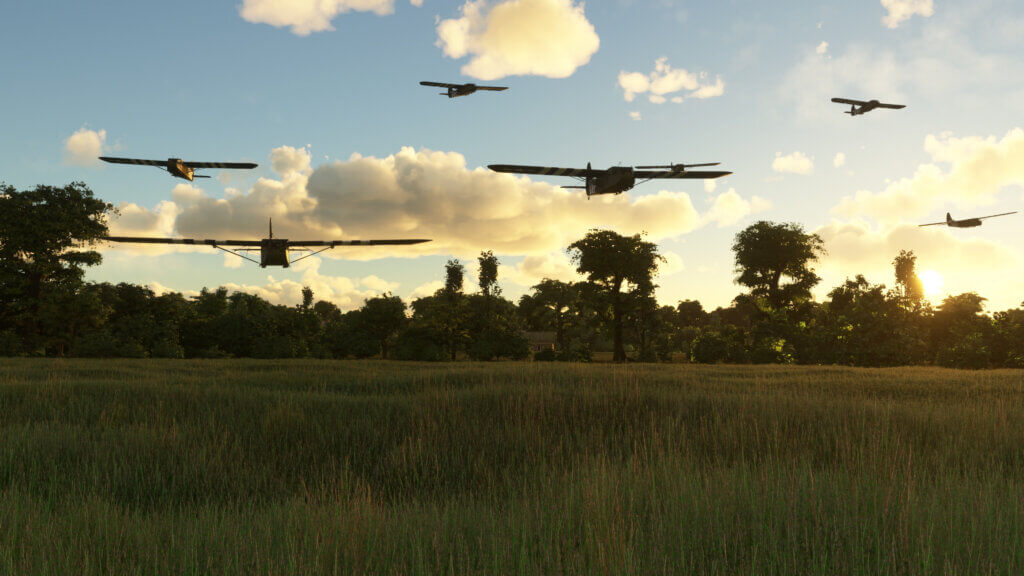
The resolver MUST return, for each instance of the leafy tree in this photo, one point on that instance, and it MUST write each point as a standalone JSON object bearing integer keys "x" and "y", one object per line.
{"x": 909, "y": 288}
{"x": 551, "y": 307}
{"x": 380, "y": 320}
{"x": 960, "y": 332}
{"x": 453, "y": 328}
{"x": 768, "y": 253}
{"x": 44, "y": 236}
{"x": 610, "y": 261}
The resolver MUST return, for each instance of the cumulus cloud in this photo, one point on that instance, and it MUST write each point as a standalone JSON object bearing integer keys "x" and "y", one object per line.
{"x": 979, "y": 169}
{"x": 728, "y": 208}
{"x": 636, "y": 115}
{"x": 84, "y": 147}
{"x": 822, "y": 48}
{"x": 855, "y": 247}
{"x": 839, "y": 160}
{"x": 410, "y": 194}
{"x": 346, "y": 293}
{"x": 307, "y": 16}
{"x": 666, "y": 80}
{"x": 795, "y": 163}
{"x": 901, "y": 10}
{"x": 533, "y": 269}
{"x": 518, "y": 37}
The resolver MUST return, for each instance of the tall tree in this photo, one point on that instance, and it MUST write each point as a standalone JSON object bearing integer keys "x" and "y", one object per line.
{"x": 610, "y": 261}
{"x": 454, "y": 275}
{"x": 767, "y": 253}
{"x": 909, "y": 288}
{"x": 380, "y": 319}
{"x": 45, "y": 234}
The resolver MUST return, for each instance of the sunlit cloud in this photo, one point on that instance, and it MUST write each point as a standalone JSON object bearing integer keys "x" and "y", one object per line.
{"x": 979, "y": 170}
{"x": 795, "y": 163}
{"x": 550, "y": 38}
{"x": 84, "y": 147}
{"x": 901, "y": 10}
{"x": 728, "y": 208}
{"x": 665, "y": 81}
{"x": 963, "y": 263}
{"x": 418, "y": 194}
{"x": 346, "y": 293}
{"x": 307, "y": 16}
{"x": 822, "y": 48}
{"x": 840, "y": 160}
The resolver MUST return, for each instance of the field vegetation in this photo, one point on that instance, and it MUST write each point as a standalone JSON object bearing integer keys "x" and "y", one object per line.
{"x": 376, "y": 467}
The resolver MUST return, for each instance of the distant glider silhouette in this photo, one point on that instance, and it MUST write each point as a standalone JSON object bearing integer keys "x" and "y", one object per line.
{"x": 273, "y": 251}
{"x": 614, "y": 180}
{"x": 859, "y": 107}
{"x": 965, "y": 223}
{"x": 179, "y": 168}
{"x": 456, "y": 90}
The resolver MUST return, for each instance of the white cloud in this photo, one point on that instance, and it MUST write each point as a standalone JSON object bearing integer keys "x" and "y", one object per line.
{"x": 518, "y": 37}
{"x": 795, "y": 163}
{"x": 84, "y": 147}
{"x": 307, "y": 16}
{"x": 822, "y": 48}
{"x": 839, "y": 160}
{"x": 728, "y": 208}
{"x": 635, "y": 115}
{"x": 901, "y": 10}
{"x": 411, "y": 194}
{"x": 668, "y": 80}
{"x": 428, "y": 289}
{"x": 966, "y": 264}
{"x": 346, "y": 293}
{"x": 533, "y": 269}
{"x": 979, "y": 170}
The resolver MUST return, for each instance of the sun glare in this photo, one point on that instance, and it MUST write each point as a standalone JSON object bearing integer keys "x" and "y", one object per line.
{"x": 932, "y": 282}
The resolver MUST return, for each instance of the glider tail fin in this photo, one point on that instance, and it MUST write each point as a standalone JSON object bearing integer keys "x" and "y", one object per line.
{"x": 271, "y": 227}
{"x": 949, "y": 219}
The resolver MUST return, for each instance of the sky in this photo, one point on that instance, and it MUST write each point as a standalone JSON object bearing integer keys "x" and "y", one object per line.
{"x": 324, "y": 95}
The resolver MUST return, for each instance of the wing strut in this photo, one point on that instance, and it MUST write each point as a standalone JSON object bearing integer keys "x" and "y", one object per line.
{"x": 311, "y": 253}
{"x": 236, "y": 254}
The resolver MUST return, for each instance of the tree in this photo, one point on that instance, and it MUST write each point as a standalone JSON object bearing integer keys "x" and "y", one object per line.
{"x": 610, "y": 260}
{"x": 454, "y": 273}
{"x": 44, "y": 235}
{"x": 909, "y": 288}
{"x": 381, "y": 318}
{"x": 767, "y": 253}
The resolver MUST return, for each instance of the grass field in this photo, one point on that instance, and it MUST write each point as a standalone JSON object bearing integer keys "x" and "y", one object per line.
{"x": 249, "y": 467}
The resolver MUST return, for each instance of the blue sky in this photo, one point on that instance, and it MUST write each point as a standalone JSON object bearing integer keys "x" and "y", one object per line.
{"x": 255, "y": 80}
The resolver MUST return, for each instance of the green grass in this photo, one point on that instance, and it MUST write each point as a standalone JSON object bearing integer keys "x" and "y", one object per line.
{"x": 249, "y": 467}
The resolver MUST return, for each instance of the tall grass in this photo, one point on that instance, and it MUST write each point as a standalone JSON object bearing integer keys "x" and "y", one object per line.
{"x": 243, "y": 467}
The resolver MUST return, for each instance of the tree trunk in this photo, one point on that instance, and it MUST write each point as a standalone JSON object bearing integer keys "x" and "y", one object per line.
{"x": 619, "y": 351}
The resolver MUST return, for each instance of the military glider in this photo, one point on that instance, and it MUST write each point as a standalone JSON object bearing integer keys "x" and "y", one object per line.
{"x": 858, "y": 107}
{"x": 966, "y": 222}
{"x": 179, "y": 168}
{"x": 456, "y": 90}
{"x": 273, "y": 251}
{"x": 617, "y": 179}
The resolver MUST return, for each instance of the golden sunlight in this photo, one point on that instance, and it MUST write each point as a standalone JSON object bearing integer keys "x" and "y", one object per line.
{"x": 932, "y": 282}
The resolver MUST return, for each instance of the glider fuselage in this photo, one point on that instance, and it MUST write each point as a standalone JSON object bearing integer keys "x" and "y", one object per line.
{"x": 176, "y": 167}
{"x": 611, "y": 181}
{"x": 274, "y": 252}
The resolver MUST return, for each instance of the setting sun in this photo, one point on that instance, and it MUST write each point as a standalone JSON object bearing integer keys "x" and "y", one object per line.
{"x": 932, "y": 282}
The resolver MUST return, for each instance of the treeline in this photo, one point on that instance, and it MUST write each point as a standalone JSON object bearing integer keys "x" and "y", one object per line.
{"x": 46, "y": 308}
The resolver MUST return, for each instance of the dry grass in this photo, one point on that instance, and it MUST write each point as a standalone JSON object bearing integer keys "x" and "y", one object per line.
{"x": 243, "y": 467}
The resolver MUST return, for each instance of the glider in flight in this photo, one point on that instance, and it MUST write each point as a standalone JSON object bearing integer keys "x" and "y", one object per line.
{"x": 456, "y": 90}
{"x": 966, "y": 222}
{"x": 179, "y": 168}
{"x": 858, "y": 107}
{"x": 617, "y": 179}
{"x": 273, "y": 251}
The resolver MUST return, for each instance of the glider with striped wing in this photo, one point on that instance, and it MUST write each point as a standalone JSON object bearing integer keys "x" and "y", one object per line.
{"x": 456, "y": 90}
{"x": 273, "y": 251}
{"x": 615, "y": 180}
{"x": 179, "y": 168}
{"x": 966, "y": 222}
{"x": 858, "y": 107}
